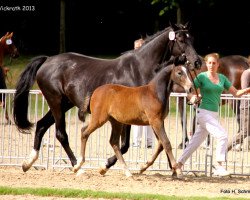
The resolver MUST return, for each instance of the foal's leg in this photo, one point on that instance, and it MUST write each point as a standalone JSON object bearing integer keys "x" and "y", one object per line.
{"x": 159, "y": 130}
{"x": 125, "y": 140}
{"x": 153, "y": 158}
{"x": 114, "y": 141}
{"x": 85, "y": 133}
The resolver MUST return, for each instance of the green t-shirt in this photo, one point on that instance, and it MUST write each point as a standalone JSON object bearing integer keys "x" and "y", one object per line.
{"x": 211, "y": 92}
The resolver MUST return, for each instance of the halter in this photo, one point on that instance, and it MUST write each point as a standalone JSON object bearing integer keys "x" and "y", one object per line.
{"x": 171, "y": 43}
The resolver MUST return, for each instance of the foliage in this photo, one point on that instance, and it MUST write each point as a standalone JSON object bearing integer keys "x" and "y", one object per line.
{"x": 16, "y": 67}
{"x": 180, "y": 6}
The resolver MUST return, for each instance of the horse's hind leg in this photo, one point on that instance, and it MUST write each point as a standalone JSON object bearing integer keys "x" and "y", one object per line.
{"x": 42, "y": 126}
{"x": 125, "y": 142}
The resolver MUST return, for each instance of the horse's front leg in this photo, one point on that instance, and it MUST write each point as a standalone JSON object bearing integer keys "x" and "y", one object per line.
{"x": 125, "y": 140}
{"x": 41, "y": 128}
{"x": 153, "y": 158}
{"x": 159, "y": 129}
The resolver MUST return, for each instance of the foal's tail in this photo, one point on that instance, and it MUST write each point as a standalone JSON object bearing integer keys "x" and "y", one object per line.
{"x": 26, "y": 81}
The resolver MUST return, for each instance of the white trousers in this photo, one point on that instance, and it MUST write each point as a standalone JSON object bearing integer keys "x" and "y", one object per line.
{"x": 208, "y": 122}
{"x": 137, "y": 134}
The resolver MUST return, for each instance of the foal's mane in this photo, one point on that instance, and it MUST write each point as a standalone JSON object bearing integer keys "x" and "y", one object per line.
{"x": 163, "y": 67}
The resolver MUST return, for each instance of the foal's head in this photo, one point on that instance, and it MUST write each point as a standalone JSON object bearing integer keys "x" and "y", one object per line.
{"x": 180, "y": 76}
{"x": 7, "y": 45}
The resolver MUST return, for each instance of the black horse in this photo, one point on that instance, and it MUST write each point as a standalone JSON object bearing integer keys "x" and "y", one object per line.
{"x": 67, "y": 78}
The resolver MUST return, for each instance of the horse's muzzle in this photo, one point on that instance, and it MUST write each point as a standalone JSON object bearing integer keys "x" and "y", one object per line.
{"x": 197, "y": 64}
{"x": 15, "y": 54}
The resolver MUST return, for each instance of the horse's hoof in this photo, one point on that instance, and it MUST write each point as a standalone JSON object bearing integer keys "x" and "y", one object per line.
{"x": 103, "y": 169}
{"x": 25, "y": 167}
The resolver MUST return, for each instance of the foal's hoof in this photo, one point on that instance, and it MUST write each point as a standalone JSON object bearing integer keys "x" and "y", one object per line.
{"x": 103, "y": 169}
{"x": 74, "y": 169}
{"x": 174, "y": 174}
{"x": 128, "y": 174}
{"x": 25, "y": 167}
{"x": 142, "y": 169}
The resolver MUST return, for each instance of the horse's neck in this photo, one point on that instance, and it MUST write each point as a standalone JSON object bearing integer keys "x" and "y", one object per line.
{"x": 156, "y": 50}
{"x": 1, "y": 55}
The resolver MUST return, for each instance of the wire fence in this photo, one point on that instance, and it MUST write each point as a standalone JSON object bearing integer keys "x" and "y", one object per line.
{"x": 16, "y": 147}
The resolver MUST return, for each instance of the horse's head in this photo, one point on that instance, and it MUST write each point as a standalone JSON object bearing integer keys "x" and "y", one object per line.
{"x": 180, "y": 76}
{"x": 182, "y": 44}
{"x": 8, "y": 46}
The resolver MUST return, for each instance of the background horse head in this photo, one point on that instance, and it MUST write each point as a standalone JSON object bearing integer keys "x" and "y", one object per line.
{"x": 143, "y": 105}
{"x": 7, "y": 47}
{"x": 67, "y": 78}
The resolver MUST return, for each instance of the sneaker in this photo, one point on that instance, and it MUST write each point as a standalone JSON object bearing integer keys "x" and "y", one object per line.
{"x": 220, "y": 171}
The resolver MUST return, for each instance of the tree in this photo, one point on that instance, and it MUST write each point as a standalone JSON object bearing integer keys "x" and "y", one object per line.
{"x": 180, "y": 6}
{"x": 62, "y": 26}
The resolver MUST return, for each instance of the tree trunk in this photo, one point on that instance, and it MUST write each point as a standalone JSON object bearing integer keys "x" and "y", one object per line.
{"x": 62, "y": 26}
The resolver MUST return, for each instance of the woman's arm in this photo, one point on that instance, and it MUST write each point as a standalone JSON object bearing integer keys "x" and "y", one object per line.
{"x": 238, "y": 93}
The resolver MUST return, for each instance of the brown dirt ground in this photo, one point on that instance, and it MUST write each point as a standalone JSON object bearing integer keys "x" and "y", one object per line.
{"x": 150, "y": 182}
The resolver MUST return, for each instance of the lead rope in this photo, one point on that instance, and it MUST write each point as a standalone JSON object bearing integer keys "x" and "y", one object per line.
{"x": 196, "y": 91}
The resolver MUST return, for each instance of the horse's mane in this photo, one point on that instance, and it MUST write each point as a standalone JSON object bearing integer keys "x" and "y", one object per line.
{"x": 151, "y": 37}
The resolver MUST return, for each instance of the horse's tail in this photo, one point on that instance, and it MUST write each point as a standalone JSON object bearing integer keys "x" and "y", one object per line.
{"x": 26, "y": 81}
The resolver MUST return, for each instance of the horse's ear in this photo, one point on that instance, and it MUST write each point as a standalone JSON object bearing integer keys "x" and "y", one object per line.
{"x": 187, "y": 25}
{"x": 10, "y": 35}
{"x": 173, "y": 26}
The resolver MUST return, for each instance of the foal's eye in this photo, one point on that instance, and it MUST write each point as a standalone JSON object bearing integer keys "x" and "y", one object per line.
{"x": 180, "y": 73}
